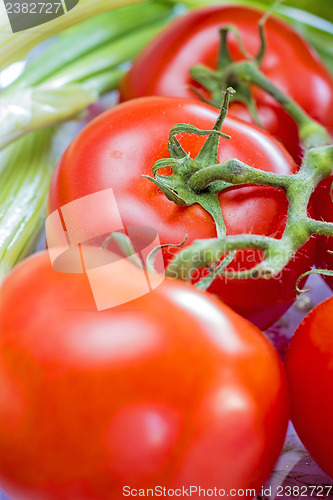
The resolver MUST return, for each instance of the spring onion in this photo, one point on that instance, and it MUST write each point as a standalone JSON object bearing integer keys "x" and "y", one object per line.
{"x": 25, "y": 171}
{"x": 15, "y": 46}
{"x": 58, "y": 84}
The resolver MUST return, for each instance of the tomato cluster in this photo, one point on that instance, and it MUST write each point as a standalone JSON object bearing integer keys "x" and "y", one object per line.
{"x": 132, "y": 137}
{"x": 170, "y": 387}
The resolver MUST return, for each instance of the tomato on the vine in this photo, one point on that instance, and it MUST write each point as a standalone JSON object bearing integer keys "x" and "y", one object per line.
{"x": 163, "y": 68}
{"x": 309, "y": 365}
{"x": 121, "y": 145}
{"x": 172, "y": 388}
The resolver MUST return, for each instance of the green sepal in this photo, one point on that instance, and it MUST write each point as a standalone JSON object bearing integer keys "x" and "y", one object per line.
{"x": 224, "y": 76}
{"x": 176, "y": 186}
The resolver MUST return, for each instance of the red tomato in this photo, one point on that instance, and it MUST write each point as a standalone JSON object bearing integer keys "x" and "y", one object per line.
{"x": 324, "y": 211}
{"x": 309, "y": 365}
{"x": 115, "y": 150}
{"x": 164, "y": 65}
{"x": 161, "y": 390}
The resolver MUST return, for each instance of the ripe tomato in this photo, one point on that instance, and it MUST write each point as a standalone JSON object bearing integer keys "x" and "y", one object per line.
{"x": 309, "y": 365}
{"x": 161, "y": 390}
{"x": 118, "y": 147}
{"x": 164, "y": 65}
{"x": 323, "y": 206}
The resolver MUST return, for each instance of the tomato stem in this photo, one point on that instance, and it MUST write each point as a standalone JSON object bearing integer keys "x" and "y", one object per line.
{"x": 312, "y": 134}
{"x": 200, "y": 180}
{"x": 236, "y": 172}
{"x": 317, "y": 165}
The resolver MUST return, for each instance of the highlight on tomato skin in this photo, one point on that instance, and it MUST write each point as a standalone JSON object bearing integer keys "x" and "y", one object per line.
{"x": 163, "y": 67}
{"x": 309, "y": 367}
{"x": 121, "y": 145}
{"x": 172, "y": 388}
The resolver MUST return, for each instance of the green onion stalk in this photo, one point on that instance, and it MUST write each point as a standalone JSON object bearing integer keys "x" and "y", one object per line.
{"x": 15, "y": 46}
{"x": 25, "y": 171}
{"x": 71, "y": 73}
{"x": 76, "y": 69}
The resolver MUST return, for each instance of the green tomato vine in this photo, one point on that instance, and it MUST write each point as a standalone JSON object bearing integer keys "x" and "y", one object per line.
{"x": 201, "y": 179}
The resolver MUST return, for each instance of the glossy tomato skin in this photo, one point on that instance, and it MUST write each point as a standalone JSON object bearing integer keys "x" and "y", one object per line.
{"x": 309, "y": 365}
{"x": 323, "y": 207}
{"x": 163, "y": 67}
{"x": 172, "y": 389}
{"x": 118, "y": 147}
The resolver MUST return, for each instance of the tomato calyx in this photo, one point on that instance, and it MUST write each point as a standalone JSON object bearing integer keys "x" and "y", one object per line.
{"x": 225, "y": 75}
{"x": 177, "y": 186}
